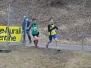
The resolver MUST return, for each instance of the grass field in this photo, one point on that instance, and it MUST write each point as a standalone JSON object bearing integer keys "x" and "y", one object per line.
{"x": 30, "y": 57}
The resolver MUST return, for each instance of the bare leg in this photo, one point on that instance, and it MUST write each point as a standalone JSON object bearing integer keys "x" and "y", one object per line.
{"x": 56, "y": 40}
{"x": 48, "y": 43}
{"x": 36, "y": 41}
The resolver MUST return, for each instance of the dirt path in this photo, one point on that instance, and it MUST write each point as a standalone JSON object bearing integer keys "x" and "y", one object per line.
{"x": 52, "y": 45}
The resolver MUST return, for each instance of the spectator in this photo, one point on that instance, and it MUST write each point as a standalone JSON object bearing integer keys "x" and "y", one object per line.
{"x": 26, "y": 26}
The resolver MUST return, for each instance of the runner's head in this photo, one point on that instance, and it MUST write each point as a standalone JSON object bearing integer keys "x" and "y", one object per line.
{"x": 34, "y": 20}
{"x": 51, "y": 20}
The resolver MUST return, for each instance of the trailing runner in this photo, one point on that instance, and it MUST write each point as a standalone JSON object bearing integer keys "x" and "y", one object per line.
{"x": 35, "y": 33}
{"x": 52, "y": 33}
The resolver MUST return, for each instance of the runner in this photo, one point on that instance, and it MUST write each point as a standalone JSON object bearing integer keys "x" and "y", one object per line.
{"x": 52, "y": 33}
{"x": 35, "y": 33}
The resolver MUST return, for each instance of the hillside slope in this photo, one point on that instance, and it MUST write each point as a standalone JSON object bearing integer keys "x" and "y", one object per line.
{"x": 71, "y": 16}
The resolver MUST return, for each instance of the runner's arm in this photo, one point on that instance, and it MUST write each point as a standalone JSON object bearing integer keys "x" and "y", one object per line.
{"x": 52, "y": 28}
{"x": 56, "y": 27}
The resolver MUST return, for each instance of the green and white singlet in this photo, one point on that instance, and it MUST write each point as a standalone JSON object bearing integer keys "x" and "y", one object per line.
{"x": 34, "y": 28}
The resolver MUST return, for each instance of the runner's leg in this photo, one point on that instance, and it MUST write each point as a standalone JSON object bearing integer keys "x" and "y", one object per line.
{"x": 50, "y": 40}
{"x": 56, "y": 40}
{"x": 36, "y": 41}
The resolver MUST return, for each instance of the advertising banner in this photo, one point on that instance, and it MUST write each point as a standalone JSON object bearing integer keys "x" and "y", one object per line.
{"x": 14, "y": 33}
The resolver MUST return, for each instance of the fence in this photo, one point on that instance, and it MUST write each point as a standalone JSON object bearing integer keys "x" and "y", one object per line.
{"x": 16, "y": 16}
{"x": 11, "y": 20}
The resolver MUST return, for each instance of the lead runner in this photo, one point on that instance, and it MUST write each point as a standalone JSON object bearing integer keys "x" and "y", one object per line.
{"x": 52, "y": 33}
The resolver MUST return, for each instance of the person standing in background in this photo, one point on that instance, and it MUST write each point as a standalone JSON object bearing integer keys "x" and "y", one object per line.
{"x": 26, "y": 29}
